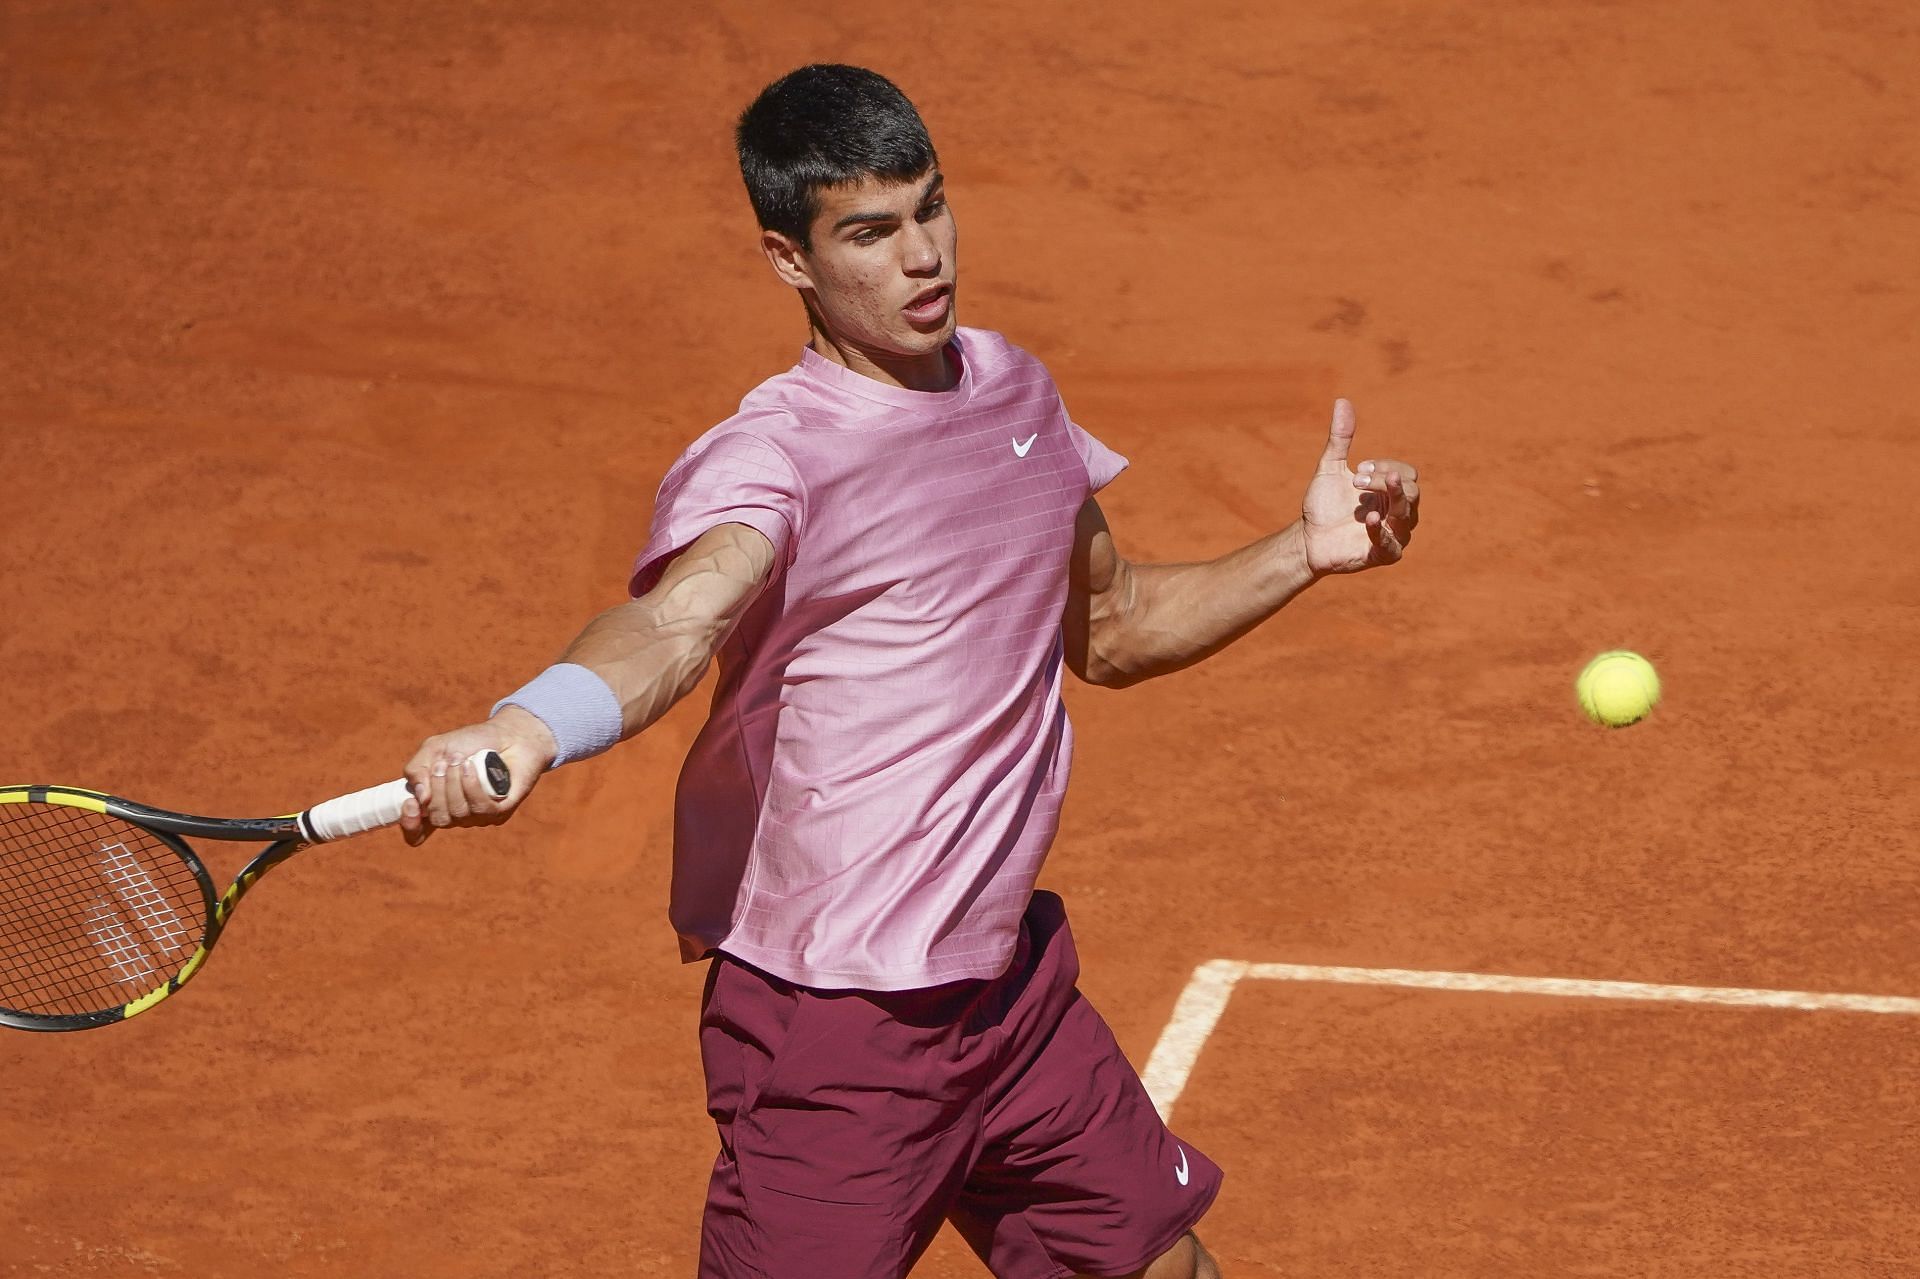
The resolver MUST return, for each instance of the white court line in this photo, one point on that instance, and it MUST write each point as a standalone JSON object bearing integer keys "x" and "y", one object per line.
{"x": 1199, "y": 1007}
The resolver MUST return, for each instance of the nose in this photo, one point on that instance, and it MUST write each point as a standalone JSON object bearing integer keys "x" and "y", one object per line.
{"x": 922, "y": 254}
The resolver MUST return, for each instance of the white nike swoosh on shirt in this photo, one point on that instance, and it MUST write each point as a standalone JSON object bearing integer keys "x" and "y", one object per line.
{"x": 1181, "y": 1171}
{"x": 1020, "y": 448}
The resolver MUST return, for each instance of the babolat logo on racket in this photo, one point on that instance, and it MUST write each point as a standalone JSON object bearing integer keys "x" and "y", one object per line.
{"x": 135, "y": 924}
{"x": 105, "y": 910}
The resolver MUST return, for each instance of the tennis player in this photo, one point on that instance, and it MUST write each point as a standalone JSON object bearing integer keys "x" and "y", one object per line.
{"x": 895, "y": 551}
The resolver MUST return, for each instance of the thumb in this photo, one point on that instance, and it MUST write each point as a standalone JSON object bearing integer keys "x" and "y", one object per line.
{"x": 1339, "y": 439}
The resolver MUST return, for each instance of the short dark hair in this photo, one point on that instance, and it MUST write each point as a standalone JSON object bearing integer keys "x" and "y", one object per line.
{"x": 823, "y": 126}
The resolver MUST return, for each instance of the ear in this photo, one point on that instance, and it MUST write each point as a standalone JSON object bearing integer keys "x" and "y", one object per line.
{"x": 787, "y": 259}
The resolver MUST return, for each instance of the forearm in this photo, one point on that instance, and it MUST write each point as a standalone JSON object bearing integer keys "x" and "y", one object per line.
{"x": 622, "y": 673}
{"x": 652, "y": 651}
{"x": 626, "y": 668}
{"x": 650, "y": 654}
{"x": 634, "y": 661}
{"x": 1168, "y": 616}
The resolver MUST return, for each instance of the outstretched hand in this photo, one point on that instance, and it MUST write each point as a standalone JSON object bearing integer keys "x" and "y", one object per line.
{"x": 446, "y": 793}
{"x": 1357, "y": 518}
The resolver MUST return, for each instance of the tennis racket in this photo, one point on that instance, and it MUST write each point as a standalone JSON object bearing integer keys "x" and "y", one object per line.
{"x": 104, "y": 908}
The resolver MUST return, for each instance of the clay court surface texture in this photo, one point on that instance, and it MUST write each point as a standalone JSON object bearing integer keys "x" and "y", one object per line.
{"x": 344, "y": 346}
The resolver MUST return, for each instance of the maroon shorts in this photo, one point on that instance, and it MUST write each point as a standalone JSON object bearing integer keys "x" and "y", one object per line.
{"x": 853, "y": 1122}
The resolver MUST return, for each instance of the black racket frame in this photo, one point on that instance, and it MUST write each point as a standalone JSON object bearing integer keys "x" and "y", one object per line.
{"x": 284, "y": 837}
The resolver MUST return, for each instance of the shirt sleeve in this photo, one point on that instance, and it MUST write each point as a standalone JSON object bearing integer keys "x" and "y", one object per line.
{"x": 1102, "y": 463}
{"x": 732, "y": 478}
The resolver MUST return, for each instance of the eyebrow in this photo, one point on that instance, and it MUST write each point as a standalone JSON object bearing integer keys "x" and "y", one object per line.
{"x": 926, "y": 193}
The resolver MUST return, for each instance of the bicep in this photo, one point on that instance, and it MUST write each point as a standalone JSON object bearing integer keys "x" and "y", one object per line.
{"x": 1097, "y": 584}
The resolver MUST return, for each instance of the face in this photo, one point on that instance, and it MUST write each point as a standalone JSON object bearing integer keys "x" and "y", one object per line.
{"x": 880, "y": 269}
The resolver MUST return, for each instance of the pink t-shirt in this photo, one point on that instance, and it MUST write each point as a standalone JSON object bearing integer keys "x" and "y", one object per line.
{"x": 881, "y": 773}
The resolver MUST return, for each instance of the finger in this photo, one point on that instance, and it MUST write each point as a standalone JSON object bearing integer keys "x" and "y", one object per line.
{"x": 413, "y": 823}
{"x": 419, "y": 768}
{"x": 1398, "y": 503}
{"x": 480, "y": 801}
{"x": 1407, "y": 509}
{"x": 439, "y": 810}
{"x": 1391, "y": 492}
{"x": 1333, "y": 460}
{"x": 459, "y": 808}
{"x": 1386, "y": 545}
{"x": 1372, "y": 474}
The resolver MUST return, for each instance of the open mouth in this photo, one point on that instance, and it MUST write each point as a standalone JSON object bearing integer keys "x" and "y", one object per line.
{"x": 929, "y": 306}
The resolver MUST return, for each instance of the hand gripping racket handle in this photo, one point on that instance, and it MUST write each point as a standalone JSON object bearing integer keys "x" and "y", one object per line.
{"x": 379, "y": 806}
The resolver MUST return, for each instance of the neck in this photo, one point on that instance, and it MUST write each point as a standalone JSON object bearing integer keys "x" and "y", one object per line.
{"x": 934, "y": 371}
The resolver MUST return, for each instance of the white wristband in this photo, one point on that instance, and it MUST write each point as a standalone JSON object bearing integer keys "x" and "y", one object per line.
{"x": 577, "y": 707}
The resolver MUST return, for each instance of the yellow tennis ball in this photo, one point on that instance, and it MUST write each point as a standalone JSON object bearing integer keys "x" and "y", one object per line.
{"x": 1618, "y": 688}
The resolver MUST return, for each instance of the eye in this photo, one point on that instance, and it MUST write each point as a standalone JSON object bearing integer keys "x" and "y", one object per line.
{"x": 933, "y": 209}
{"x": 870, "y": 235}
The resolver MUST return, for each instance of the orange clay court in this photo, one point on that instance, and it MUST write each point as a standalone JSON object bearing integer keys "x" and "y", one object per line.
{"x": 344, "y": 347}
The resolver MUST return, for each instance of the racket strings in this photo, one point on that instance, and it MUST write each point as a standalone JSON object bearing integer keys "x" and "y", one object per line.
{"x": 94, "y": 911}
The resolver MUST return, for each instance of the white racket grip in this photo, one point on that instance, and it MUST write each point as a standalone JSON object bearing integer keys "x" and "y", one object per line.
{"x": 379, "y": 806}
{"x": 358, "y": 813}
